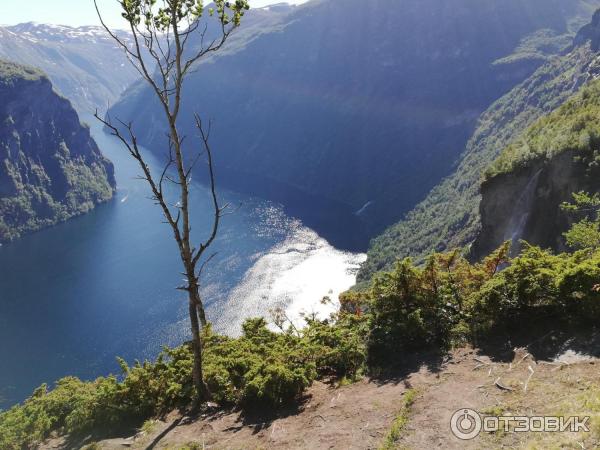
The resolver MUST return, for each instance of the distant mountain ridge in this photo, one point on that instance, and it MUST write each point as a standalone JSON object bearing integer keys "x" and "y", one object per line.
{"x": 84, "y": 63}
{"x": 50, "y": 167}
{"x": 363, "y": 103}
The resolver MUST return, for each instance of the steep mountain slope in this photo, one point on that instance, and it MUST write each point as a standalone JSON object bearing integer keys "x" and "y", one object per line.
{"x": 363, "y": 103}
{"x": 84, "y": 64}
{"x": 554, "y": 158}
{"x": 449, "y": 216}
{"x": 50, "y": 167}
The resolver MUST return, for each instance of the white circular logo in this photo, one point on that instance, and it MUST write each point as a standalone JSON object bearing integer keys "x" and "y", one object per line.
{"x": 465, "y": 424}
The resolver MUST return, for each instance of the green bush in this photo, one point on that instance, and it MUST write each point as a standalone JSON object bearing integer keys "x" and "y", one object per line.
{"x": 447, "y": 301}
{"x": 579, "y": 286}
{"x": 418, "y": 307}
{"x": 585, "y": 233}
{"x": 403, "y": 315}
{"x": 72, "y": 406}
{"x": 259, "y": 368}
{"x": 538, "y": 285}
{"x": 339, "y": 347}
{"x": 520, "y": 289}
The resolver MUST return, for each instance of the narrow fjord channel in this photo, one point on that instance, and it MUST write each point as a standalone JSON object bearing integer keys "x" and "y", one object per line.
{"x": 75, "y": 296}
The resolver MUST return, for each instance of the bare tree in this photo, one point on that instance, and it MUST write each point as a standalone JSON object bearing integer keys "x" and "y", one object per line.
{"x": 159, "y": 52}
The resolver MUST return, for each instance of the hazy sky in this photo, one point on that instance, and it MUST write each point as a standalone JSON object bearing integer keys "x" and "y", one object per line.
{"x": 75, "y": 12}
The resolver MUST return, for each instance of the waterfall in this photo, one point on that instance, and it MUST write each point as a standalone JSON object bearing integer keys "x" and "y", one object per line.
{"x": 521, "y": 212}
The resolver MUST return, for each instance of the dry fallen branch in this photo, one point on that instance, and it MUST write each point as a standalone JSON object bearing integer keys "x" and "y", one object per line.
{"x": 531, "y": 372}
{"x": 527, "y": 355}
{"x": 501, "y": 386}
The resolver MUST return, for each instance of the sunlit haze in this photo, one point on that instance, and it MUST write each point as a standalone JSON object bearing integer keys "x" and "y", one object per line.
{"x": 77, "y": 12}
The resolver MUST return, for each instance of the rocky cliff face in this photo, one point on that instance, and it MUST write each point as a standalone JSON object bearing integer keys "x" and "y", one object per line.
{"x": 590, "y": 32}
{"x": 50, "y": 167}
{"x": 526, "y": 204}
{"x": 557, "y": 156}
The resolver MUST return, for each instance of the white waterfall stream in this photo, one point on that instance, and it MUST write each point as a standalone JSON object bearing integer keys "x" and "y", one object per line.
{"x": 521, "y": 212}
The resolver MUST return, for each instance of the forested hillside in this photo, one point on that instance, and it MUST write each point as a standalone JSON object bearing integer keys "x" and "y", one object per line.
{"x": 449, "y": 216}
{"x": 50, "y": 167}
{"x": 367, "y": 104}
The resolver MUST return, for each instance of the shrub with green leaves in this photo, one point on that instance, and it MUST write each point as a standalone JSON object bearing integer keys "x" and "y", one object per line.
{"x": 339, "y": 347}
{"x": 416, "y": 307}
{"x": 259, "y": 368}
{"x": 447, "y": 301}
{"x": 536, "y": 285}
{"x": 586, "y": 232}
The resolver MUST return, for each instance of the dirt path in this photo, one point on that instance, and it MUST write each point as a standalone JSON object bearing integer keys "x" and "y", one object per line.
{"x": 351, "y": 417}
{"x": 359, "y": 416}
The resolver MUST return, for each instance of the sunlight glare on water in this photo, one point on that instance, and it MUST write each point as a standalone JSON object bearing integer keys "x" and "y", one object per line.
{"x": 294, "y": 275}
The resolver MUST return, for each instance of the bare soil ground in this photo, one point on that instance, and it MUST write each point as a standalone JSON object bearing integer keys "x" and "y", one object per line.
{"x": 558, "y": 377}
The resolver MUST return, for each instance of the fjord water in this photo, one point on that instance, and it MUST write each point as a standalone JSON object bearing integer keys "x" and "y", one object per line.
{"x": 75, "y": 296}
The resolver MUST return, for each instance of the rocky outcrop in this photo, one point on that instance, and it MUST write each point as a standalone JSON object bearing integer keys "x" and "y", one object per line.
{"x": 590, "y": 32}
{"x": 525, "y": 204}
{"x": 525, "y": 186}
{"x": 50, "y": 167}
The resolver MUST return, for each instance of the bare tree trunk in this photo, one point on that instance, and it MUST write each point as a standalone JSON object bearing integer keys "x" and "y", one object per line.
{"x": 165, "y": 44}
{"x": 200, "y": 388}
{"x": 201, "y": 312}
{"x": 198, "y": 323}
